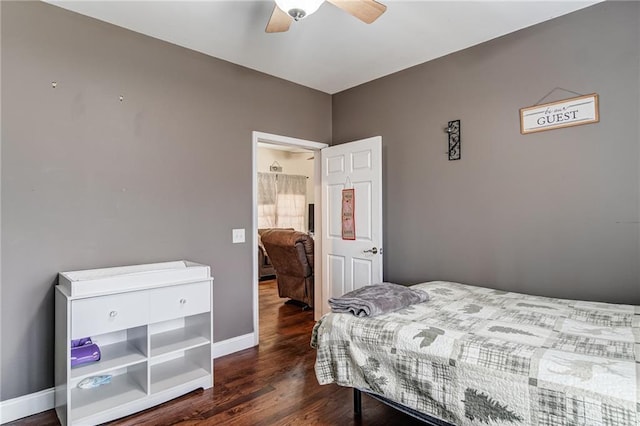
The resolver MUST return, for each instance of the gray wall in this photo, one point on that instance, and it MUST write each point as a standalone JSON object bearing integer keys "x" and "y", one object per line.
{"x": 89, "y": 181}
{"x": 553, "y": 213}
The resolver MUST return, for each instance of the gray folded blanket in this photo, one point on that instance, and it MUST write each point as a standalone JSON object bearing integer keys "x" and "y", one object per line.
{"x": 377, "y": 299}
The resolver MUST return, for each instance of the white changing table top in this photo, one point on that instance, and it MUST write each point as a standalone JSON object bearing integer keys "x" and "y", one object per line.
{"x": 94, "y": 282}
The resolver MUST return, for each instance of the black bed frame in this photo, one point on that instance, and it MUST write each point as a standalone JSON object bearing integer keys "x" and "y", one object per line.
{"x": 428, "y": 420}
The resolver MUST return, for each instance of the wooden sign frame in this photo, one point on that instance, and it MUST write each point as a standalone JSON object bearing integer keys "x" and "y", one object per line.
{"x": 348, "y": 214}
{"x": 556, "y": 115}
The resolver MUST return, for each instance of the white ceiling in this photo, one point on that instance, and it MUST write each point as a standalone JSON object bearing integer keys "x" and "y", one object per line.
{"x": 330, "y": 50}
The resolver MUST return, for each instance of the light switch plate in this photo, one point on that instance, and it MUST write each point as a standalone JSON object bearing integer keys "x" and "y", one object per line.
{"x": 238, "y": 236}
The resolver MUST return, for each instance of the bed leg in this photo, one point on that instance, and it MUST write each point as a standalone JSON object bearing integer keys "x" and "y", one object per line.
{"x": 357, "y": 402}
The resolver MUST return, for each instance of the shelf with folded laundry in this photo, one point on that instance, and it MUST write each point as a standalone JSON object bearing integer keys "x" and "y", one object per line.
{"x": 117, "y": 349}
{"x": 124, "y": 386}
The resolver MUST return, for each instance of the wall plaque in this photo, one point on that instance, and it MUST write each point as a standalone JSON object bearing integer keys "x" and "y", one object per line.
{"x": 555, "y": 115}
{"x": 348, "y": 214}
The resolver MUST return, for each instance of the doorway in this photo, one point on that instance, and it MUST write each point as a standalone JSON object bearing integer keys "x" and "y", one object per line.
{"x": 305, "y": 149}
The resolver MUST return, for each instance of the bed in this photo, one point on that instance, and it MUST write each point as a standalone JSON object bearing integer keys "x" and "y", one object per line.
{"x": 477, "y": 356}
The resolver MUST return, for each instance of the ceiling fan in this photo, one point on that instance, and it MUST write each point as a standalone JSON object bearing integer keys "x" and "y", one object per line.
{"x": 286, "y": 11}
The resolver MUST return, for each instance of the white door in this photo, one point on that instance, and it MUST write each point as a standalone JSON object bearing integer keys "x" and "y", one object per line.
{"x": 351, "y": 264}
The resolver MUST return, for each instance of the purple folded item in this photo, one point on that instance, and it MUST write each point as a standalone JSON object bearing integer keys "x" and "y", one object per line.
{"x": 85, "y": 354}
{"x": 81, "y": 342}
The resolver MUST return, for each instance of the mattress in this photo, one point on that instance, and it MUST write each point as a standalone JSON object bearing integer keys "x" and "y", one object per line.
{"x": 478, "y": 356}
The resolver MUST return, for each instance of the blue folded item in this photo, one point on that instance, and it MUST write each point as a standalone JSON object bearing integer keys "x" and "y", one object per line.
{"x": 94, "y": 381}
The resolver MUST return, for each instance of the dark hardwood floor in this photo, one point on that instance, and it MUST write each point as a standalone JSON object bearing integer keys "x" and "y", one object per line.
{"x": 272, "y": 384}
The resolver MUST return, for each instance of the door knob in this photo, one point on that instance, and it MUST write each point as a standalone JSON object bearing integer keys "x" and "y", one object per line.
{"x": 373, "y": 251}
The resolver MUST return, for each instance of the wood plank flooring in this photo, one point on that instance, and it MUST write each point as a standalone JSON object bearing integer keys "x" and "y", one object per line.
{"x": 272, "y": 384}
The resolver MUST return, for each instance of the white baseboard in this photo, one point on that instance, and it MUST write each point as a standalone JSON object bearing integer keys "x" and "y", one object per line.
{"x": 27, "y": 405}
{"x": 235, "y": 344}
{"x": 34, "y": 403}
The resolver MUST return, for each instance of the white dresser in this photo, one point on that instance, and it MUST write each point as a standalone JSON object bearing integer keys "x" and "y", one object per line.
{"x": 153, "y": 325}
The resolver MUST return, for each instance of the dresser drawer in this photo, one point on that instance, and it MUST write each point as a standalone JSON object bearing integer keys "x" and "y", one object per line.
{"x": 103, "y": 314}
{"x": 179, "y": 301}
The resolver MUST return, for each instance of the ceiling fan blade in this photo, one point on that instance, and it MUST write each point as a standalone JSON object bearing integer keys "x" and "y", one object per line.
{"x": 365, "y": 10}
{"x": 280, "y": 21}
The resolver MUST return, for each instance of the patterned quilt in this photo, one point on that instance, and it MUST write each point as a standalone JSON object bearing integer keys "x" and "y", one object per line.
{"x": 477, "y": 356}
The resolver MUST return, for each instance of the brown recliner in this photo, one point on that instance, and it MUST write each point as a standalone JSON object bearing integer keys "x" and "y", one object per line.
{"x": 265, "y": 268}
{"x": 291, "y": 254}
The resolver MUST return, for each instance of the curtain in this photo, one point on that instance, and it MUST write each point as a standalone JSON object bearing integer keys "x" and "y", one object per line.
{"x": 266, "y": 200}
{"x": 282, "y": 201}
{"x": 291, "y": 202}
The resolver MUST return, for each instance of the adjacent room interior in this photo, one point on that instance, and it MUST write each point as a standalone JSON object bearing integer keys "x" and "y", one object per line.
{"x": 285, "y": 217}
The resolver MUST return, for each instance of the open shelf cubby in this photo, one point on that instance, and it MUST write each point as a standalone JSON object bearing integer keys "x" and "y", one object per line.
{"x": 191, "y": 365}
{"x": 126, "y": 385}
{"x": 180, "y": 335}
{"x": 117, "y": 350}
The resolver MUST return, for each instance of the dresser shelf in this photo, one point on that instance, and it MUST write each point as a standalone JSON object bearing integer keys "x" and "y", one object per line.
{"x": 113, "y": 356}
{"x": 175, "y": 372}
{"x": 123, "y": 389}
{"x": 176, "y": 341}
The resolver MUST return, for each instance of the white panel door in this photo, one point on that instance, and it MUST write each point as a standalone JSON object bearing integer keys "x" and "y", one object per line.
{"x": 351, "y": 264}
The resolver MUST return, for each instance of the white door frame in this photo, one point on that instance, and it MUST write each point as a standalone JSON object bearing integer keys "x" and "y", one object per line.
{"x": 300, "y": 143}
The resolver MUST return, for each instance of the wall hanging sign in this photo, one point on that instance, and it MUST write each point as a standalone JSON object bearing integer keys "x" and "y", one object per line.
{"x": 275, "y": 167}
{"x": 348, "y": 214}
{"x": 555, "y": 115}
